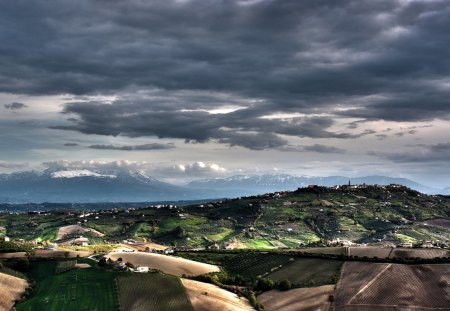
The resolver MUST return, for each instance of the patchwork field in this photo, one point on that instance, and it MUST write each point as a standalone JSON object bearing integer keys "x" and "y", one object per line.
{"x": 167, "y": 264}
{"x": 308, "y": 272}
{"x": 11, "y": 288}
{"x": 299, "y": 299}
{"x": 368, "y": 286}
{"x": 75, "y": 290}
{"x": 207, "y": 297}
{"x": 152, "y": 292}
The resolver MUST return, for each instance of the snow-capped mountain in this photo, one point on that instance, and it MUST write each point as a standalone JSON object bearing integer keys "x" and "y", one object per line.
{"x": 65, "y": 184}
{"x": 83, "y": 185}
{"x": 79, "y": 173}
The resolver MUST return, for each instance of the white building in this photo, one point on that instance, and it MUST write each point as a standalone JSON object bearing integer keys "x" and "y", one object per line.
{"x": 141, "y": 269}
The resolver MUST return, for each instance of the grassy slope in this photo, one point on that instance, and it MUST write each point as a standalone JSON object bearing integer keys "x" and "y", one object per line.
{"x": 153, "y": 291}
{"x": 86, "y": 289}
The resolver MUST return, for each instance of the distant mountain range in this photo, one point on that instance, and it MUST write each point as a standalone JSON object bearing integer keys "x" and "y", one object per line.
{"x": 254, "y": 184}
{"x": 82, "y": 186}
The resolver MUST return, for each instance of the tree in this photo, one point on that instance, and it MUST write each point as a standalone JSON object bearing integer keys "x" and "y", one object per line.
{"x": 180, "y": 232}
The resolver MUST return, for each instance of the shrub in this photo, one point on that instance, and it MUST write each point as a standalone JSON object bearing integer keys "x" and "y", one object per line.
{"x": 264, "y": 284}
{"x": 285, "y": 285}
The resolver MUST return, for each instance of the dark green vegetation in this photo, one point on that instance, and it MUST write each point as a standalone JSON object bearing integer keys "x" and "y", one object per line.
{"x": 247, "y": 264}
{"x": 82, "y": 289}
{"x": 308, "y": 272}
{"x": 309, "y": 216}
{"x": 299, "y": 271}
{"x": 152, "y": 291}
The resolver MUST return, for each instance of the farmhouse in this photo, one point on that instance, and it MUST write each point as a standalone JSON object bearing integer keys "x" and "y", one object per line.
{"x": 141, "y": 269}
{"x": 123, "y": 249}
{"x": 5, "y": 239}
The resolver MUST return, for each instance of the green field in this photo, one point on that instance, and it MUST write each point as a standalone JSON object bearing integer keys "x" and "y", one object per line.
{"x": 258, "y": 243}
{"x": 308, "y": 272}
{"x": 224, "y": 234}
{"x": 77, "y": 290}
{"x": 152, "y": 291}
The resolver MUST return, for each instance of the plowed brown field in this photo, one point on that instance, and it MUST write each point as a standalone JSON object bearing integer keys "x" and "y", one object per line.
{"x": 369, "y": 286}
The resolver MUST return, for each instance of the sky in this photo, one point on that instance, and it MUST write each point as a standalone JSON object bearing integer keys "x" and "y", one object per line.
{"x": 188, "y": 89}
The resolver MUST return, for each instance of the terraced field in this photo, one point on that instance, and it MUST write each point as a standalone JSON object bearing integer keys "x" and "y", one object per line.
{"x": 367, "y": 286}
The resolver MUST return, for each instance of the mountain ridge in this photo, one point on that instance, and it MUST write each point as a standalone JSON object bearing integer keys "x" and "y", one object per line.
{"x": 80, "y": 185}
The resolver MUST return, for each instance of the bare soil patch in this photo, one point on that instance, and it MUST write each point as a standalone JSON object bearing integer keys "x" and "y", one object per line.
{"x": 82, "y": 265}
{"x": 207, "y": 297}
{"x": 143, "y": 246}
{"x": 167, "y": 264}
{"x": 236, "y": 244}
{"x": 13, "y": 255}
{"x": 76, "y": 229}
{"x": 11, "y": 289}
{"x": 438, "y": 222}
{"x": 299, "y": 299}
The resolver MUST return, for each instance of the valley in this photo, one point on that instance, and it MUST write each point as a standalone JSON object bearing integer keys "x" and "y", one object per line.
{"x": 290, "y": 245}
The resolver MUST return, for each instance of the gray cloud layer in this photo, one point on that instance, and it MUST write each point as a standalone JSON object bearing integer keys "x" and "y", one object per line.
{"x": 291, "y": 52}
{"x": 419, "y": 153}
{"x": 373, "y": 60}
{"x": 153, "y": 146}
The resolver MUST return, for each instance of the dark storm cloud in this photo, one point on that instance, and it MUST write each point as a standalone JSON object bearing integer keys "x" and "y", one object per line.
{"x": 243, "y": 127}
{"x": 323, "y": 149}
{"x": 419, "y": 153}
{"x": 153, "y": 146}
{"x": 384, "y": 59}
{"x": 15, "y": 106}
{"x": 71, "y": 144}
